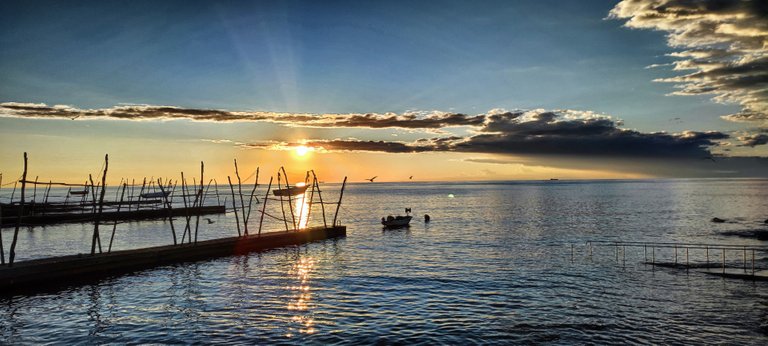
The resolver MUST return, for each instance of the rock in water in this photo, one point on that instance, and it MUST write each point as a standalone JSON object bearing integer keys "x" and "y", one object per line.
{"x": 717, "y": 220}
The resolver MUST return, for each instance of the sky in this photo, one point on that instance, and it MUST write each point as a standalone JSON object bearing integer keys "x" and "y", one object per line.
{"x": 438, "y": 90}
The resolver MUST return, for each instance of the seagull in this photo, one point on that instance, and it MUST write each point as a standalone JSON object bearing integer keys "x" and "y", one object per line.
{"x": 371, "y": 179}
{"x": 209, "y": 220}
{"x": 709, "y": 158}
{"x": 410, "y": 178}
{"x": 75, "y": 117}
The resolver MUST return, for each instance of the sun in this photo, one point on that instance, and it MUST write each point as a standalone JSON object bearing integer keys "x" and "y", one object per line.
{"x": 302, "y": 150}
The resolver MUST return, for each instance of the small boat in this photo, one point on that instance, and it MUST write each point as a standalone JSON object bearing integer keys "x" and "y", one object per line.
{"x": 291, "y": 191}
{"x": 155, "y": 194}
{"x": 396, "y": 221}
{"x": 79, "y": 192}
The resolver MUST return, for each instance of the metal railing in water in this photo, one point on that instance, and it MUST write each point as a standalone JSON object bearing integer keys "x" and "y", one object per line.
{"x": 701, "y": 260}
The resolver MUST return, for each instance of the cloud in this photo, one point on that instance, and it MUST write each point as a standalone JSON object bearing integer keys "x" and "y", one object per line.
{"x": 409, "y": 120}
{"x": 753, "y": 140}
{"x": 725, "y": 45}
{"x": 543, "y": 132}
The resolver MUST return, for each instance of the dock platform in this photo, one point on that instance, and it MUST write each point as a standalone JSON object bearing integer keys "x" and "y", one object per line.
{"x": 41, "y": 274}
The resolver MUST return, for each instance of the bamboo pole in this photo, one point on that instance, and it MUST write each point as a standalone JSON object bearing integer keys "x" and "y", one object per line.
{"x": 101, "y": 207}
{"x": 13, "y": 193}
{"x": 234, "y": 206}
{"x": 264, "y": 205}
{"x": 282, "y": 207}
{"x": 138, "y": 198}
{"x": 242, "y": 204}
{"x": 343, "y": 184}
{"x": 114, "y": 225}
{"x": 45, "y": 200}
{"x": 2, "y": 248}
{"x": 34, "y": 190}
{"x": 169, "y": 207}
{"x": 320, "y": 195}
{"x": 186, "y": 207}
{"x": 12, "y": 253}
{"x": 216, "y": 188}
{"x": 311, "y": 199}
{"x": 250, "y": 199}
{"x": 290, "y": 202}
{"x": 200, "y": 203}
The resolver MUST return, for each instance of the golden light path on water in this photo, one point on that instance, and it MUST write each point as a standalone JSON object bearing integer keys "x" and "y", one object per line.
{"x": 301, "y": 208}
{"x": 302, "y": 296}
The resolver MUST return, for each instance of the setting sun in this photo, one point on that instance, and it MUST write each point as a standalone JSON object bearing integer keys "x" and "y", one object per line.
{"x": 302, "y": 150}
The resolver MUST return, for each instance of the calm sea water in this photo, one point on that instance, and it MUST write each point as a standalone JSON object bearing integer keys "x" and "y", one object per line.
{"x": 493, "y": 266}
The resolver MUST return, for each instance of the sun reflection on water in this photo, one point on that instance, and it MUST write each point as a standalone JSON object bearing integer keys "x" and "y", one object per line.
{"x": 302, "y": 296}
{"x": 301, "y": 208}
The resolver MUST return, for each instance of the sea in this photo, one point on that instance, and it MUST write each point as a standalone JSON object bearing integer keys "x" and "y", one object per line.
{"x": 503, "y": 262}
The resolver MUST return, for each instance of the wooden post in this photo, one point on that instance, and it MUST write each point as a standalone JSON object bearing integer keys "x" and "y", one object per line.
{"x": 282, "y": 207}
{"x": 45, "y": 200}
{"x": 707, "y": 252}
{"x": 34, "y": 190}
{"x": 653, "y": 254}
{"x": 311, "y": 200}
{"x": 753, "y": 262}
{"x": 13, "y": 193}
{"x": 723, "y": 260}
{"x": 675, "y": 254}
{"x": 320, "y": 195}
{"x": 687, "y": 264}
{"x": 186, "y": 207}
{"x": 242, "y": 204}
{"x": 201, "y": 199}
{"x": 101, "y": 207}
{"x": 114, "y": 226}
{"x": 645, "y": 252}
{"x": 250, "y": 199}
{"x": 571, "y": 253}
{"x": 234, "y": 206}
{"x": 745, "y": 259}
{"x": 290, "y": 203}
{"x": 264, "y": 205}
{"x": 341, "y": 194}
{"x": 170, "y": 208}
{"x": 216, "y": 188}
{"x": 12, "y": 253}
{"x": 141, "y": 191}
{"x": 2, "y": 248}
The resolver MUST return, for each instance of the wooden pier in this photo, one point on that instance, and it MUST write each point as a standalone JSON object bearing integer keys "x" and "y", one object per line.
{"x": 40, "y": 274}
{"x": 143, "y": 214}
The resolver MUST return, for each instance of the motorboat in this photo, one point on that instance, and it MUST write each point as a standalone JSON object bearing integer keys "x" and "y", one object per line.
{"x": 396, "y": 221}
{"x": 291, "y": 191}
{"x": 155, "y": 194}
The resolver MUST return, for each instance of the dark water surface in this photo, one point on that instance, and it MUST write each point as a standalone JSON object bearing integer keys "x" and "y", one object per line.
{"x": 493, "y": 266}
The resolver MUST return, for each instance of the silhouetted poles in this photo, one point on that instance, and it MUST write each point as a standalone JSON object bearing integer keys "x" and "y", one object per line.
{"x": 320, "y": 195}
{"x": 264, "y": 206}
{"x": 234, "y": 206}
{"x": 114, "y": 225}
{"x": 101, "y": 208}
{"x": 290, "y": 203}
{"x": 168, "y": 207}
{"x": 242, "y": 204}
{"x": 200, "y": 200}
{"x": 339, "y": 204}
{"x": 12, "y": 253}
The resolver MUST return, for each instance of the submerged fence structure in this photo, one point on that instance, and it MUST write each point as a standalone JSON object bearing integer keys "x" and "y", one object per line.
{"x": 727, "y": 260}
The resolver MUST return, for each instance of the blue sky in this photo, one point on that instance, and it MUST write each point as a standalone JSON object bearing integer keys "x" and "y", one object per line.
{"x": 341, "y": 57}
{"x": 351, "y": 57}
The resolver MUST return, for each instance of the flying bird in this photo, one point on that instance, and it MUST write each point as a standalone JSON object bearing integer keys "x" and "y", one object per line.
{"x": 709, "y": 158}
{"x": 371, "y": 179}
{"x": 75, "y": 117}
{"x": 410, "y": 178}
